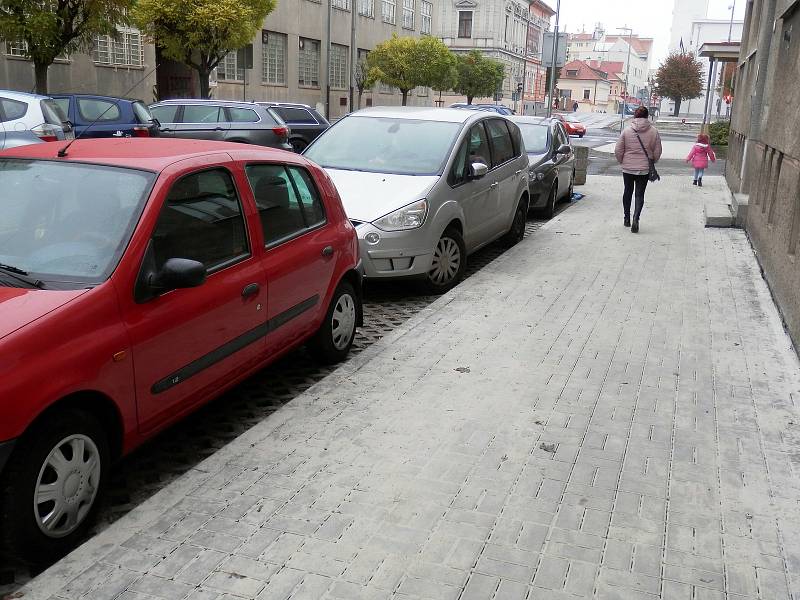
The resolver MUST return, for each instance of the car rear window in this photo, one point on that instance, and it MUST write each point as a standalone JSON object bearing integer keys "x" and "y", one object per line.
{"x": 52, "y": 112}
{"x": 63, "y": 104}
{"x": 13, "y": 109}
{"x": 242, "y": 115}
{"x": 166, "y": 113}
{"x": 142, "y": 114}
{"x": 92, "y": 109}
{"x": 295, "y": 115}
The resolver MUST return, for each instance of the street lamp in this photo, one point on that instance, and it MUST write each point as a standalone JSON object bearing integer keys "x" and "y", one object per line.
{"x": 627, "y": 70}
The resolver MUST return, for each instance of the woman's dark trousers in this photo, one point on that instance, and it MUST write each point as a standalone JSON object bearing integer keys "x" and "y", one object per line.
{"x": 634, "y": 186}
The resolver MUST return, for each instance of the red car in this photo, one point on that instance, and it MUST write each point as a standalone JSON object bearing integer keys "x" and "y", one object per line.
{"x": 571, "y": 124}
{"x": 138, "y": 280}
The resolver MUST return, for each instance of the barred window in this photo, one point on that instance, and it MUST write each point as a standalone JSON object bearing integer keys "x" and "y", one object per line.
{"x": 408, "y": 14}
{"x": 386, "y": 89}
{"x": 273, "y": 57}
{"x": 422, "y": 91}
{"x": 338, "y": 66}
{"x": 17, "y": 48}
{"x": 124, "y": 49}
{"x": 341, "y": 4}
{"x": 228, "y": 68}
{"x": 426, "y": 10}
{"x": 366, "y": 8}
{"x": 388, "y": 11}
{"x": 308, "y": 63}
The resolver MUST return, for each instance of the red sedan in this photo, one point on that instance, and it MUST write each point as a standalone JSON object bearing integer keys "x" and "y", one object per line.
{"x": 571, "y": 124}
{"x": 138, "y": 280}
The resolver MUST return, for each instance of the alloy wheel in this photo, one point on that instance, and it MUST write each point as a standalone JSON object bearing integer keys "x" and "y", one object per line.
{"x": 446, "y": 261}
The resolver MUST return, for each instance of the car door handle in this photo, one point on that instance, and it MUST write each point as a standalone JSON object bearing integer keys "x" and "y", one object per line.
{"x": 518, "y": 171}
{"x": 251, "y": 289}
{"x": 494, "y": 185}
{"x": 327, "y": 251}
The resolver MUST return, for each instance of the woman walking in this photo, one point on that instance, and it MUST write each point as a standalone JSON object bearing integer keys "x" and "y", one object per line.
{"x": 699, "y": 156}
{"x": 637, "y": 146}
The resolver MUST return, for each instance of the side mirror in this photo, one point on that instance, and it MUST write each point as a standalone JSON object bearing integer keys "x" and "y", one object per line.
{"x": 564, "y": 149}
{"x": 478, "y": 170}
{"x": 179, "y": 273}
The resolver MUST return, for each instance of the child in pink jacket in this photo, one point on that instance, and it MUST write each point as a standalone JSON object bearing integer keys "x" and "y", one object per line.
{"x": 699, "y": 156}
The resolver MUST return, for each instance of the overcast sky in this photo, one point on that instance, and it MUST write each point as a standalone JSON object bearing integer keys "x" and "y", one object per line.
{"x": 648, "y": 18}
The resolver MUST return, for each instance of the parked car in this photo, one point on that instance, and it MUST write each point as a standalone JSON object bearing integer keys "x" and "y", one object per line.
{"x": 425, "y": 187}
{"x": 572, "y": 124}
{"x": 551, "y": 171}
{"x": 12, "y": 139}
{"x": 200, "y": 262}
{"x": 40, "y": 115}
{"x": 222, "y": 120}
{"x": 105, "y": 116}
{"x": 496, "y": 108}
{"x": 303, "y": 120}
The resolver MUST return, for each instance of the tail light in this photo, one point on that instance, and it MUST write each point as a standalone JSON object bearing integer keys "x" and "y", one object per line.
{"x": 141, "y": 132}
{"x": 281, "y": 132}
{"x": 45, "y": 132}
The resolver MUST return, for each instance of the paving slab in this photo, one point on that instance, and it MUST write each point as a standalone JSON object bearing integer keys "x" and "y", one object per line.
{"x": 598, "y": 414}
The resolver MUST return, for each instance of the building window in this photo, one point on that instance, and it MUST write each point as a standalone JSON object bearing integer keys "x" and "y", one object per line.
{"x": 123, "y": 49}
{"x": 388, "y": 9}
{"x": 338, "y": 66}
{"x": 408, "y": 14}
{"x": 228, "y": 68}
{"x": 426, "y": 10}
{"x": 273, "y": 57}
{"x": 366, "y": 8}
{"x": 465, "y": 23}
{"x": 341, "y": 4}
{"x": 587, "y": 94}
{"x": 17, "y": 49}
{"x": 308, "y": 63}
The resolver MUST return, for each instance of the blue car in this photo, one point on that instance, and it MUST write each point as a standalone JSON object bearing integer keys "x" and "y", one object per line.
{"x": 106, "y": 116}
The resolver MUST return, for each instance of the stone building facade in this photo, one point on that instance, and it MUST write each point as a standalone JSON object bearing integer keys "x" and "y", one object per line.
{"x": 764, "y": 152}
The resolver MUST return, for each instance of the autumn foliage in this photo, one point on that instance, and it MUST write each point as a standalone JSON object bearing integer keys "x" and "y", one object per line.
{"x": 680, "y": 77}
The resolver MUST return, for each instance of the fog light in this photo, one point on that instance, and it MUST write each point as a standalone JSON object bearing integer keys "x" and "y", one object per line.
{"x": 540, "y": 176}
{"x": 372, "y": 238}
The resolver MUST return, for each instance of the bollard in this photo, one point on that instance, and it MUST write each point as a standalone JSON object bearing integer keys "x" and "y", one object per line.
{"x": 581, "y": 164}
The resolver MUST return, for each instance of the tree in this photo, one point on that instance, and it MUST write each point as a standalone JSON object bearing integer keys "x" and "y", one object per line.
{"x": 199, "y": 33}
{"x": 478, "y": 76}
{"x": 680, "y": 77}
{"x": 361, "y": 78}
{"x": 437, "y": 65}
{"x": 52, "y": 28}
{"x": 394, "y": 62}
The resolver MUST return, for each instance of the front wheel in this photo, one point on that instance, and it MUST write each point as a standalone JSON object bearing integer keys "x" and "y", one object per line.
{"x": 550, "y": 208}
{"x": 333, "y": 339}
{"x": 449, "y": 262}
{"x": 517, "y": 231}
{"x": 50, "y": 488}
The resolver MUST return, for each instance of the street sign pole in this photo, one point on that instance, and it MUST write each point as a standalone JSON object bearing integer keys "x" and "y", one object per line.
{"x": 553, "y": 63}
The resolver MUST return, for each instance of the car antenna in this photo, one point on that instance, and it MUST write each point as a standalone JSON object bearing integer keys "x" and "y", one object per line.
{"x": 63, "y": 151}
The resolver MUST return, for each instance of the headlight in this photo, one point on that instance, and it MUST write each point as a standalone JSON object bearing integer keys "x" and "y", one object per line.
{"x": 408, "y": 217}
{"x": 539, "y": 176}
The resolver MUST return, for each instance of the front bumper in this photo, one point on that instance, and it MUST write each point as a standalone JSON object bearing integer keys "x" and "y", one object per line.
{"x": 397, "y": 253}
{"x": 5, "y": 451}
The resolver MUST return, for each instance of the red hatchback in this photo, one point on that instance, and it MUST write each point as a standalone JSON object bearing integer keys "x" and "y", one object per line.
{"x": 571, "y": 124}
{"x": 138, "y": 280}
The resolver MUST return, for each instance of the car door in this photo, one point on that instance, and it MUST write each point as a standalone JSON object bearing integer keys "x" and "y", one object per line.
{"x": 564, "y": 162}
{"x": 187, "y": 343}
{"x": 202, "y": 122}
{"x": 167, "y": 116}
{"x": 476, "y": 196}
{"x": 504, "y": 173}
{"x": 300, "y": 250}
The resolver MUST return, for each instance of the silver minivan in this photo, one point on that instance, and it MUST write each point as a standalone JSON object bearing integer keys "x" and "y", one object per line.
{"x": 425, "y": 187}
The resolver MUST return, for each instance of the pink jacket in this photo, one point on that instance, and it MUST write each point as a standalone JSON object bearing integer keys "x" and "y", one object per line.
{"x": 629, "y": 152}
{"x": 700, "y": 154}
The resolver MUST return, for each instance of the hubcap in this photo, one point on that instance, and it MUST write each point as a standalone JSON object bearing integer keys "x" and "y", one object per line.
{"x": 519, "y": 223}
{"x": 343, "y": 321}
{"x": 446, "y": 261}
{"x": 67, "y": 486}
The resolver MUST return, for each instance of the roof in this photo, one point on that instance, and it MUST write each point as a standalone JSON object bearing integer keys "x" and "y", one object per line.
{"x": 153, "y": 154}
{"x": 581, "y": 36}
{"x": 585, "y": 72}
{"x": 640, "y": 45}
{"x": 542, "y": 6}
{"x": 14, "y": 95}
{"x": 607, "y": 66}
{"x": 207, "y": 101}
{"x": 420, "y": 113}
{"x": 531, "y": 120}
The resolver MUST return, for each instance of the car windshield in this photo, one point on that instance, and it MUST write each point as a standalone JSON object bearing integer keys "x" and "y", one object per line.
{"x": 536, "y": 137}
{"x": 68, "y": 222}
{"x": 572, "y": 119}
{"x": 385, "y": 145}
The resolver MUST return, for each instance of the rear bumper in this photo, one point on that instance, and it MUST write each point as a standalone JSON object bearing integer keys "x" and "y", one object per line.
{"x": 5, "y": 451}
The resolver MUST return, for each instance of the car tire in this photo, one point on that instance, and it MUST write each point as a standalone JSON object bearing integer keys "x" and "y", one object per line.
{"x": 449, "y": 263}
{"x": 580, "y": 135}
{"x": 549, "y": 209}
{"x": 333, "y": 340}
{"x": 45, "y": 456}
{"x": 517, "y": 231}
{"x": 298, "y": 144}
{"x": 571, "y": 189}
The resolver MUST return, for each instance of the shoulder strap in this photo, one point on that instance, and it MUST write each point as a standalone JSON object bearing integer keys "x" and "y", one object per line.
{"x": 642, "y": 145}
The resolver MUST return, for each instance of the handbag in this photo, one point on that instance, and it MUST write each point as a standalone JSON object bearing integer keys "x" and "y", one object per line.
{"x": 652, "y": 174}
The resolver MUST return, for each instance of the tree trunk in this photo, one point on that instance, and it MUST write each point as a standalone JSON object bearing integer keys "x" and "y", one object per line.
{"x": 205, "y": 88}
{"x": 359, "y": 99}
{"x": 677, "y": 107}
{"x": 40, "y": 71}
{"x": 469, "y": 99}
{"x": 405, "y": 96}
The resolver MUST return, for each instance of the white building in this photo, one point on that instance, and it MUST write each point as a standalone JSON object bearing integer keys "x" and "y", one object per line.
{"x": 691, "y": 29}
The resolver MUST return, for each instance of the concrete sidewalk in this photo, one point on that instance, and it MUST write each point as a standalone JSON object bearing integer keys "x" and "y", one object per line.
{"x": 597, "y": 414}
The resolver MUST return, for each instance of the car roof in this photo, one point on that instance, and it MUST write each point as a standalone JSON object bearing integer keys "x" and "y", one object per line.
{"x": 420, "y": 113}
{"x": 25, "y": 96}
{"x": 287, "y": 105}
{"x": 102, "y": 96}
{"x": 531, "y": 120}
{"x": 234, "y": 103}
{"x": 153, "y": 154}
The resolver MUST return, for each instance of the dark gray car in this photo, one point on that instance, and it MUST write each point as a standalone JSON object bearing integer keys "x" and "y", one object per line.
{"x": 222, "y": 120}
{"x": 305, "y": 122}
{"x": 551, "y": 162}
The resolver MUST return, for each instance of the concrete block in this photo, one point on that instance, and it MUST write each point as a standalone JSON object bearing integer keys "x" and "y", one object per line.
{"x": 739, "y": 205}
{"x": 718, "y": 214}
{"x": 580, "y": 177}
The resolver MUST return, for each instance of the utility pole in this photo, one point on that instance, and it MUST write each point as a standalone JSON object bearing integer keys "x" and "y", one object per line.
{"x": 553, "y": 63}
{"x": 627, "y": 70}
{"x": 327, "y": 73}
{"x": 353, "y": 52}
{"x": 730, "y": 29}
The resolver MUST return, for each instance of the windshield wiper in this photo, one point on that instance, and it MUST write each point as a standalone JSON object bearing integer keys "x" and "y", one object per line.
{"x": 21, "y": 275}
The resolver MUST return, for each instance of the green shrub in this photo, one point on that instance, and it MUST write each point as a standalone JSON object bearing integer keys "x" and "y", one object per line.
{"x": 719, "y": 132}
